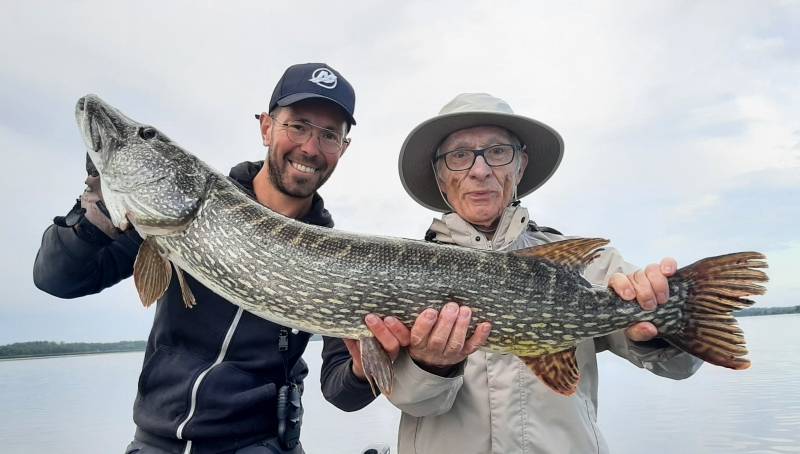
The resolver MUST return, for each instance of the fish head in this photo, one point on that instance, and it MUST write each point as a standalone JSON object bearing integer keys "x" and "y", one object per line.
{"x": 146, "y": 179}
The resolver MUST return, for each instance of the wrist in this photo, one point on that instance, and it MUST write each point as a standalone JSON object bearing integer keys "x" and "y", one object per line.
{"x": 435, "y": 369}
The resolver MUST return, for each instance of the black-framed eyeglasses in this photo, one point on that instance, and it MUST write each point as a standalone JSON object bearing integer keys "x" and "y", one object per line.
{"x": 494, "y": 155}
{"x": 300, "y": 132}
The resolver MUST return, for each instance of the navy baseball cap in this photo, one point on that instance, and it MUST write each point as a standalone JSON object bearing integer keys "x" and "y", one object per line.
{"x": 314, "y": 80}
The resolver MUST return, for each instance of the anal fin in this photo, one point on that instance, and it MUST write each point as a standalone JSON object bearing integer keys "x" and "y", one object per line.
{"x": 559, "y": 371}
{"x": 377, "y": 366}
{"x": 151, "y": 273}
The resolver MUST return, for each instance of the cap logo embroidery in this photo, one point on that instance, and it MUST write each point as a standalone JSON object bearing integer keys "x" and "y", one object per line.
{"x": 324, "y": 77}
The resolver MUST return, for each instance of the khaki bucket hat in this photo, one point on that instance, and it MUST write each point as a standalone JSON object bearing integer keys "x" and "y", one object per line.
{"x": 544, "y": 145}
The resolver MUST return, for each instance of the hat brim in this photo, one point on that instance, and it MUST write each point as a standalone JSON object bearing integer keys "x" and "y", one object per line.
{"x": 295, "y": 97}
{"x": 545, "y": 149}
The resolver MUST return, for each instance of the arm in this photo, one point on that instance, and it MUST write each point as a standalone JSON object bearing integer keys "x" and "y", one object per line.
{"x": 77, "y": 258}
{"x": 340, "y": 385}
{"x": 639, "y": 343}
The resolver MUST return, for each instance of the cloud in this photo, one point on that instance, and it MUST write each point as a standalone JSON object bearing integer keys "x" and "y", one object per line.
{"x": 679, "y": 118}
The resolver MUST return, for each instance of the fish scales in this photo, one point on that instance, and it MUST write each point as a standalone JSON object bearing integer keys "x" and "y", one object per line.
{"x": 535, "y": 285}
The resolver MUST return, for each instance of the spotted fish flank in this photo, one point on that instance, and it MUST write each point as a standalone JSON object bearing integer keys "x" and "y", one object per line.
{"x": 324, "y": 281}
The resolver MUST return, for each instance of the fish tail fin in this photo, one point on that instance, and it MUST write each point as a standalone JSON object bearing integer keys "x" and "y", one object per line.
{"x": 716, "y": 286}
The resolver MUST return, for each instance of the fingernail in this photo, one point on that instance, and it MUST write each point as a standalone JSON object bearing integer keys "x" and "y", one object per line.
{"x": 430, "y": 314}
{"x": 389, "y": 319}
{"x": 451, "y": 308}
{"x": 628, "y": 294}
{"x": 666, "y": 269}
{"x": 649, "y": 305}
{"x": 464, "y": 313}
{"x": 371, "y": 319}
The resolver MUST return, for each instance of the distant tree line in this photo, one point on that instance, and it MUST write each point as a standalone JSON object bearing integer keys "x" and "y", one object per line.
{"x": 751, "y": 311}
{"x": 46, "y": 348}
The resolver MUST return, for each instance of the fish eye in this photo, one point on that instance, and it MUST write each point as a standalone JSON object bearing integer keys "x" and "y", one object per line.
{"x": 148, "y": 133}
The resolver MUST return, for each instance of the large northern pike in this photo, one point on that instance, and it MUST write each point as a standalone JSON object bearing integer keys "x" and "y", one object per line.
{"x": 325, "y": 281}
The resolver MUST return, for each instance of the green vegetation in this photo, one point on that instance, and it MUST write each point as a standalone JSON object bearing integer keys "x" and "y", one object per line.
{"x": 45, "y": 348}
{"x": 752, "y": 311}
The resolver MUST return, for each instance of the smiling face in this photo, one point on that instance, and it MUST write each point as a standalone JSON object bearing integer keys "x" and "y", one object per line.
{"x": 480, "y": 194}
{"x": 297, "y": 170}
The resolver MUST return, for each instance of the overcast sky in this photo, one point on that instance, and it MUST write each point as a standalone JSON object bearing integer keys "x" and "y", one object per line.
{"x": 681, "y": 119}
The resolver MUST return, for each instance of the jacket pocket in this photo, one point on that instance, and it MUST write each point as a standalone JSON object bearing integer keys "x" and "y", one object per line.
{"x": 165, "y": 387}
{"x": 244, "y": 401}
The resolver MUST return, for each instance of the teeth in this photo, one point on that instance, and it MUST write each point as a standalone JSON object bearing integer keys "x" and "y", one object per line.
{"x": 302, "y": 168}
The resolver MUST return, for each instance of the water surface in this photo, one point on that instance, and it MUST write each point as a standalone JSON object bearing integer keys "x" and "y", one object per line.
{"x": 83, "y": 404}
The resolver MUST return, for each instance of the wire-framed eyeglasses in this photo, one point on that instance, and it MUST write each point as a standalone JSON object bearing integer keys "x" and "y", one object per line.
{"x": 494, "y": 155}
{"x": 300, "y": 131}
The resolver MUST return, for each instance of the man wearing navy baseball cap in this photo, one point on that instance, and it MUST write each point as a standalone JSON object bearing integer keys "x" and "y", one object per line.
{"x": 217, "y": 378}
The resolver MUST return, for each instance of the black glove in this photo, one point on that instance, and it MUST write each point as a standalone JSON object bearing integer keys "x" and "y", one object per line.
{"x": 89, "y": 216}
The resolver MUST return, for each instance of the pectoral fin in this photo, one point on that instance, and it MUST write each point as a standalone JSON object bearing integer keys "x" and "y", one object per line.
{"x": 151, "y": 273}
{"x": 377, "y": 366}
{"x": 559, "y": 371}
{"x": 186, "y": 292}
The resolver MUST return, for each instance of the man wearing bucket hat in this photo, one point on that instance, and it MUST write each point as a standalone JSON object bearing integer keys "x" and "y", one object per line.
{"x": 472, "y": 162}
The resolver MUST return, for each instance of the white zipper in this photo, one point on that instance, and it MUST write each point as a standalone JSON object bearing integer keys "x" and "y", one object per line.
{"x": 196, "y": 386}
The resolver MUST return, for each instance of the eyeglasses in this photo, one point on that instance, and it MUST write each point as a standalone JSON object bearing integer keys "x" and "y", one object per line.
{"x": 299, "y": 132}
{"x": 495, "y": 156}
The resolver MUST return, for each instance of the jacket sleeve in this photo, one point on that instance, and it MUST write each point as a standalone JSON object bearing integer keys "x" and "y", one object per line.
{"x": 421, "y": 393}
{"x": 80, "y": 260}
{"x": 340, "y": 385}
{"x": 657, "y": 356}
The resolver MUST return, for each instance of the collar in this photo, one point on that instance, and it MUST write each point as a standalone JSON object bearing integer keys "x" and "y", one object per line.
{"x": 452, "y": 229}
{"x": 243, "y": 175}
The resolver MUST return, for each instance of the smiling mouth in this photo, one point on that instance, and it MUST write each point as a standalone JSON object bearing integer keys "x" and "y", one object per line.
{"x": 304, "y": 169}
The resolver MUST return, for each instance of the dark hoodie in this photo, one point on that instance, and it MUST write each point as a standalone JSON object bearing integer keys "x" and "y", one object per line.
{"x": 230, "y": 354}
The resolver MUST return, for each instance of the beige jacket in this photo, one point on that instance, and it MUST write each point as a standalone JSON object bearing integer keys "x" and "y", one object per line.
{"x": 497, "y": 405}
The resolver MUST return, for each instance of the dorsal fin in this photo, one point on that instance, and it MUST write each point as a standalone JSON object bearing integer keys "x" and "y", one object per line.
{"x": 575, "y": 253}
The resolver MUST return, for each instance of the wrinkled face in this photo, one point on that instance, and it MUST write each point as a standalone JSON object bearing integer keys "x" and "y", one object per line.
{"x": 298, "y": 170}
{"x": 480, "y": 194}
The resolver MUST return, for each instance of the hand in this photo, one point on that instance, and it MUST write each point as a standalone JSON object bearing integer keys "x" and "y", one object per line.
{"x": 390, "y": 333}
{"x": 650, "y": 288}
{"x": 89, "y": 202}
{"x": 438, "y": 341}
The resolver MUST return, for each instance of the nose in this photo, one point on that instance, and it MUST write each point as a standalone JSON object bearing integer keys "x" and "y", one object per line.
{"x": 311, "y": 147}
{"x": 480, "y": 169}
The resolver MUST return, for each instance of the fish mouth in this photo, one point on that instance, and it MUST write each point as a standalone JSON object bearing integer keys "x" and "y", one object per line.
{"x": 95, "y": 124}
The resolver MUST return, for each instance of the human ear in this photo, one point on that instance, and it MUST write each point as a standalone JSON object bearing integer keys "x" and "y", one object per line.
{"x": 523, "y": 164}
{"x": 265, "y": 125}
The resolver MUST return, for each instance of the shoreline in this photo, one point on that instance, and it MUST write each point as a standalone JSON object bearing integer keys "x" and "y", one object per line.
{"x": 55, "y": 355}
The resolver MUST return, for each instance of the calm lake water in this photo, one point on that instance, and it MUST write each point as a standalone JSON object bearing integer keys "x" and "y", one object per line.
{"x": 83, "y": 404}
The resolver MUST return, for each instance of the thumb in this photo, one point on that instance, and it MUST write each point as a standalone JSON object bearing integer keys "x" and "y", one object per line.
{"x": 354, "y": 347}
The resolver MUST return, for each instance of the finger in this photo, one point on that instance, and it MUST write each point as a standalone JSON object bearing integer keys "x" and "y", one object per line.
{"x": 354, "y": 347}
{"x": 400, "y": 331}
{"x": 622, "y": 285}
{"x": 383, "y": 335}
{"x": 437, "y": 342}
{"x": 641, "y": 332}
{"x": 668, "y": 266}
{"x": 658, "y": 282}
{"x": 458, "y": 335}
{"x": 422, "y": 328}
{"x": 478, "y": 338}
{"x": 644, "y": 292}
